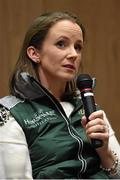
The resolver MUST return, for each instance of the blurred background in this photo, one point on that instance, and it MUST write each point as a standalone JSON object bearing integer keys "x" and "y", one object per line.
{"x": 101, "y": 55}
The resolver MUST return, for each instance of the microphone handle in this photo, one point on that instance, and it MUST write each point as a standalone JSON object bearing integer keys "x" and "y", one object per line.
{"x": 89, "y": 107}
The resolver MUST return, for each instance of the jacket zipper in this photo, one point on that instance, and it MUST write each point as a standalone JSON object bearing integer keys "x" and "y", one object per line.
{"x": 79, "y": 140}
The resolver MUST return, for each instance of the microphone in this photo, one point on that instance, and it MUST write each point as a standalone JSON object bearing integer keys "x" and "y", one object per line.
{"x": 85, "y": 83}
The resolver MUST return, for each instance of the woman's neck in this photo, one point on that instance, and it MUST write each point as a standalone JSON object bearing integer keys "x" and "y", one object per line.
{"x": 56, "y": 88}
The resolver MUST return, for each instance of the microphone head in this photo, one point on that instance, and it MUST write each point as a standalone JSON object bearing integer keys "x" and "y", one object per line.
{"x": 84, "y": 81}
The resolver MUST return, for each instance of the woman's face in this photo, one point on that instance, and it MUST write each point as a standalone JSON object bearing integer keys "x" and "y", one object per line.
{"x": 60, "y": 55}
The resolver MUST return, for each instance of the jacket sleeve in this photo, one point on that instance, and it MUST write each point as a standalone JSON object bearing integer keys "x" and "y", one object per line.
{"x": 14, "y": 154}
{"x": 113, "y": 145}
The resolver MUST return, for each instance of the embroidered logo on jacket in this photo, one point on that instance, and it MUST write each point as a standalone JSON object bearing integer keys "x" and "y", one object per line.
{"x": 81, "y": 112}
{"x": 40, "y": 118}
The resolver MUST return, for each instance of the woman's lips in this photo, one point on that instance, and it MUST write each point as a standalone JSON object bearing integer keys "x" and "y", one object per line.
{"x": 69, "y": 66}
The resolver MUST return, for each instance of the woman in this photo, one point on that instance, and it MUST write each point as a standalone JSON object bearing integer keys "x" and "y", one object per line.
{"x": 42, "y": 122}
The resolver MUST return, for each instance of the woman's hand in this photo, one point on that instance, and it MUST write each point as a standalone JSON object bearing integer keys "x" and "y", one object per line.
{"x": 97, "y": 128}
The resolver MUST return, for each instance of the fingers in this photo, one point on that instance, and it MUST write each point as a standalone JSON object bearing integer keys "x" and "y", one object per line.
{"x": 96, "y": 127}
{"x": 96, "y": 114}
{"x": 98, "y": 132}
{"x": 94, "y": 119}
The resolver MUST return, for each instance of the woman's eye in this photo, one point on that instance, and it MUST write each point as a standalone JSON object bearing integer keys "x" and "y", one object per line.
{"x": 78, "y": 47}
{"x": 60, "y": 44}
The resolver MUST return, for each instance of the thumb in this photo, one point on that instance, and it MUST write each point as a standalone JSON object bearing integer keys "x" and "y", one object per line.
{"x": 84, "y": 121}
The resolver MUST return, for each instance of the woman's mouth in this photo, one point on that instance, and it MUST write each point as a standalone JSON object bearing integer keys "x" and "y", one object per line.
{"x": 69, "y": 67}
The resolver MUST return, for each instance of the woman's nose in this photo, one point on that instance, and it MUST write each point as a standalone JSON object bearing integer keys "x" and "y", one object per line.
{"x": 72, "y": 53}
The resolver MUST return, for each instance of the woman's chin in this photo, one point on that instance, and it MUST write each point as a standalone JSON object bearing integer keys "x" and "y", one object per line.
{"x": 68, "y": 78}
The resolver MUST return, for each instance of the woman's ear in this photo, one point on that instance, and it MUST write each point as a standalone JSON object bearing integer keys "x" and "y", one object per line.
{"x": 33, "y": 54}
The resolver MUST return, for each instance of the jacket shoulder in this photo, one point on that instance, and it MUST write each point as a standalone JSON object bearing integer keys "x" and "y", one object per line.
{"x": 6, "y": 103}
{"x": 10, "y": 101}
